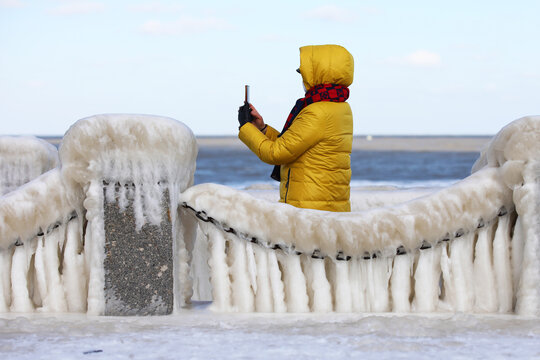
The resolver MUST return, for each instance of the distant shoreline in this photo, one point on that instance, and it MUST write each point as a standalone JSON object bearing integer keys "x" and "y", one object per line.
{"x": 441, "y": 143}
{"x": 420, "y": 143}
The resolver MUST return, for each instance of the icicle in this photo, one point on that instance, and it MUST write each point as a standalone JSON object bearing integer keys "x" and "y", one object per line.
{"x": 380, "y": 270}
{"x": 40, "y": 284}
{"x": 342, "y": 288}
{"x": 199, "y": 270}
{"x": 501, "y": 261}
{"x": 184, "y": 236}
{"x": 362, "y": 305}
{"x": 319, "y": 290}
{"x": 5, "y": 279}
{"x": 517, "y": 245}
{"x": 460, "y": 274}
{"x": 124, "y": 192}
{"x": 221, "y": 285}
{"x": 426, "y": 280}
{"x": 527, "y": 204}
{"x": 278, "y": 291}
{"x": 401, "y": 282}
{"x": 138, "y": 207}
{"x": 74, "y": 275}
{"x": 94, "y": 248}
{"x": 484, "y": 277}
{"x": 242, "y": 293}
{"x": 447, "y": 300}
{"x": 110, "y": 193}
{"x": 19, "y": 274}
{"x": 263, "y": 292}
{"x": 251, "y": 266}
{"x": 295, "y": 283}
{"x": 354, "y": 277}
{"x": 55, "y": 300}
{"x": 152, "y": 193}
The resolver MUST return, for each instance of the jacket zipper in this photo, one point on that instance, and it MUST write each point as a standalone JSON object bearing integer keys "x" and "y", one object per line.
{"x": 287, "y": 185}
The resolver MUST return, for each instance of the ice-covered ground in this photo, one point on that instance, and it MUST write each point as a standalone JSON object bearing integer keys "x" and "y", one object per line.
{"x": 201, "y": 334}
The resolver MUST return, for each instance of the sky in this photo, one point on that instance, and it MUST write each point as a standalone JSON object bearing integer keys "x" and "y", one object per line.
{"x": 456, "y": 67}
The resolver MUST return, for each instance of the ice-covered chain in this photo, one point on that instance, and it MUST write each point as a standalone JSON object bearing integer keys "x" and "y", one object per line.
{"x": 49, "y": 229}
{"x": 317, "y": 254}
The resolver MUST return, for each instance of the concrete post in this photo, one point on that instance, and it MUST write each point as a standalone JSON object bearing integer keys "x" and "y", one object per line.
{"x": 138, "y": 264}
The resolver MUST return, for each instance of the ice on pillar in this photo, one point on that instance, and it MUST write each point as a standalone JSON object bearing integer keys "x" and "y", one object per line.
{"x": 125, "y": 173}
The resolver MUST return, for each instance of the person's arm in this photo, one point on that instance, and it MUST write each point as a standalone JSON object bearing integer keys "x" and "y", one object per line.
{"x": 271, "y": 133}
{"x": 304, "y": 132}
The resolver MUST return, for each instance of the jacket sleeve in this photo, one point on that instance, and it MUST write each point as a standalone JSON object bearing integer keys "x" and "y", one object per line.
{"x": 305, "y": 131}
{"x": 271, "y": 133}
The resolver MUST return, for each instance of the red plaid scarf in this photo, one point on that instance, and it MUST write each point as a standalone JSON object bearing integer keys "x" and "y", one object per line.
{"x": 323, "y": 92}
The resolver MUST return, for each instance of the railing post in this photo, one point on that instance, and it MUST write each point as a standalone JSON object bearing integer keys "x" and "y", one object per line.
{"x": 138, "y": 264}
{"x": 127, "y": 171}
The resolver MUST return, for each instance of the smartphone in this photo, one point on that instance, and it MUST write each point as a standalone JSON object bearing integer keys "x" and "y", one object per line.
{"x": 247, "y": 95}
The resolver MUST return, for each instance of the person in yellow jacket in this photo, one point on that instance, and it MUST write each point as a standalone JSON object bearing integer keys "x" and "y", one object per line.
{"x": 312, "y": 153}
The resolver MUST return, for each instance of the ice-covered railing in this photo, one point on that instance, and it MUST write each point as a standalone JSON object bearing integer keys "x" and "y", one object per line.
{"x": 119, "y": 180}
{"x": 470, "y": 247}
{"x": 23, "y": 158}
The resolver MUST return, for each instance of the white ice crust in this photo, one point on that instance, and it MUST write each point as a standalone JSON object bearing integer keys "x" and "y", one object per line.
{"x": 140, "y": 149}
{"x": 517, "y": 141}
{"x": 50, "y": 269}
{"x": 468, "y": 243}
{"x": 37, "y": 204}
{"x": 23, "y": 158}
{"x": 382, "y": 229}
{"x": 149, "y": 152}
{"x": 493, "y": 266}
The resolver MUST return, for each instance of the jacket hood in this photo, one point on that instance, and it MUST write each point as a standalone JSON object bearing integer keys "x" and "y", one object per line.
{"x": 326, "y": 64}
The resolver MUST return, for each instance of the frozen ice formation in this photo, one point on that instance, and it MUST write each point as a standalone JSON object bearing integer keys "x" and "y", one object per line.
{"x": 52, "y": 232}
{"x": 470, "y": 247}
{"x": 23, "y": 158}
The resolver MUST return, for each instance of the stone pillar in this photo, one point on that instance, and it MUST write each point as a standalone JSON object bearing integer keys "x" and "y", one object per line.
{"x": 134, "y": 241}
{"x": 138, "y": 264}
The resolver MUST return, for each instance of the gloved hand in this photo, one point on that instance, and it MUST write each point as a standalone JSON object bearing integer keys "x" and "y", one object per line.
{"x": 244, "y": 114}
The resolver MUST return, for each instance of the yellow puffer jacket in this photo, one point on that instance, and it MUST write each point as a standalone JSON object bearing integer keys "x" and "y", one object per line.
{"x": 315, "y": 151}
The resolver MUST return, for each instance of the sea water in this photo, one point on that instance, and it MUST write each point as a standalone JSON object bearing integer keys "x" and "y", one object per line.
{"x": 198, "y": 333}
{"x": 240, "y": 168}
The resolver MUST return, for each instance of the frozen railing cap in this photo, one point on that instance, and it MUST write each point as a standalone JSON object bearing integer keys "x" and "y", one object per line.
{"x": 23, "y": 158}
{"x": 117, "y": 146}
{"x": 515, "y": 145}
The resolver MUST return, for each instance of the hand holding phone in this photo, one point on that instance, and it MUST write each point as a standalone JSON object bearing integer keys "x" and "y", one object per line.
{"x": 244, "y": 111}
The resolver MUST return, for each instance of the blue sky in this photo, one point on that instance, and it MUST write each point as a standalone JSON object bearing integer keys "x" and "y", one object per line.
{"x": 421, "y": 67}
